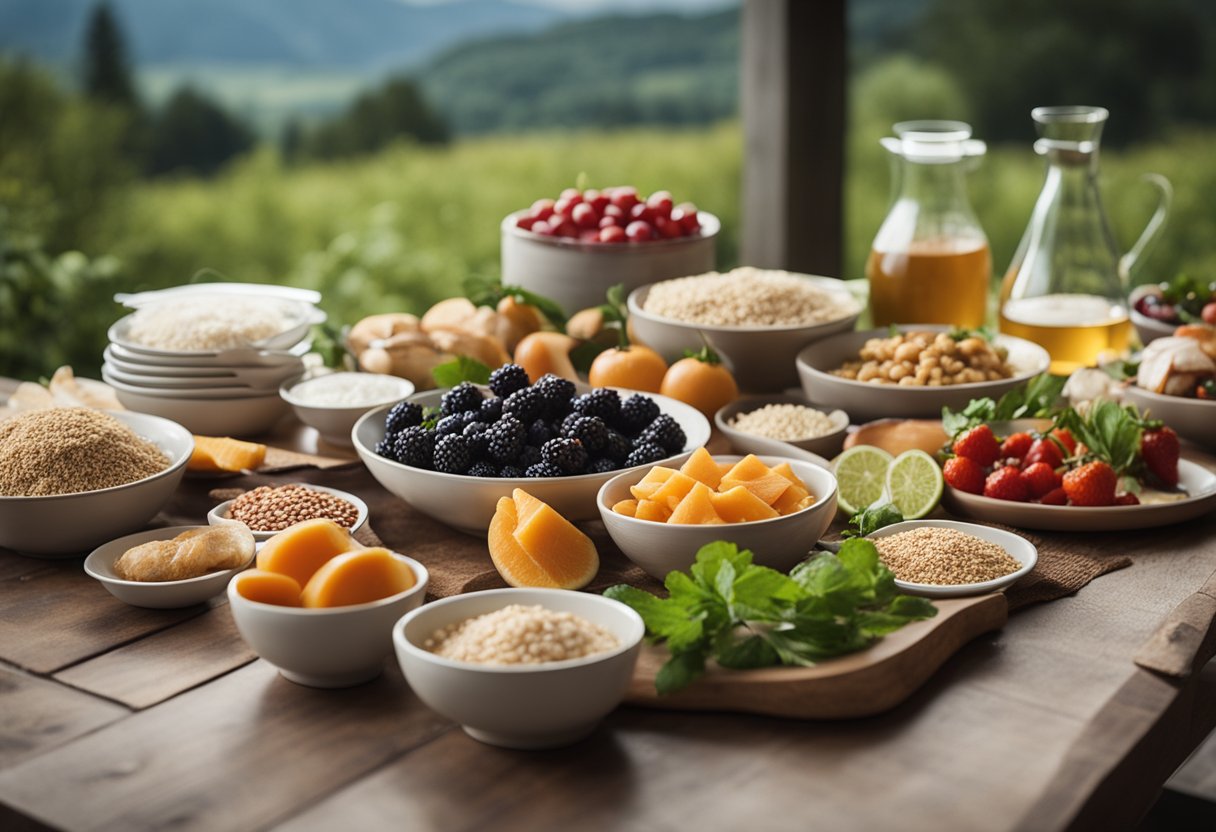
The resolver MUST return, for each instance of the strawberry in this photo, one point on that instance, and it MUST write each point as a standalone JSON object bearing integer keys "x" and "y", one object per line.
{"x": 1006, "y": 484}
{"x": 964, "y": 474}
{"x": 978, "y": 445}
{"x": 1040, "y": 478}
{"x": 1054, "y": 497}
{"x": 1093, "y": 484}
{"x": 1016, "y": 445}
{"x": 1159, "y": 450}
{"x": 1127, "y": 499}
{"x": 1065, "y": 438}
{"x": 1044, "y": 450}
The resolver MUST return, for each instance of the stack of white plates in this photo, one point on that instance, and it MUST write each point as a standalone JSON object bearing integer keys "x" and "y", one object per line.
{"x": 229, "y": 392}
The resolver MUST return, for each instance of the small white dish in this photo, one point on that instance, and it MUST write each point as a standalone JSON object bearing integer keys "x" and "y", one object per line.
{"x": 160, "y": 595}
{"x": 828, "y": 445}
{"x": 527, "y": 705}
{"x": 246, "y": 357}
{"x": 299, "y": 320}
{"x": 219, "y": 515}
{"x": 242, "y": 417}
{"x": 1018, "y": 547}
{"x": 336, "y": 423}
{"x": 332, "y": 647}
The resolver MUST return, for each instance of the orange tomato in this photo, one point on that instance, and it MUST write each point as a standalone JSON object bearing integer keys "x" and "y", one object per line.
{"x": 706, "y": 386}
{"x": 634, "y": 367}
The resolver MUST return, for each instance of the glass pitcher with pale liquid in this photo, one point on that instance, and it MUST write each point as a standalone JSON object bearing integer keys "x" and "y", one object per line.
{"x": 930, "y": 261}
{"x": 1067, "y": 286}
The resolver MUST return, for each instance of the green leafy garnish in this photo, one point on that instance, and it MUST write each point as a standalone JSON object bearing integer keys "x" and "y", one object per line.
{"x": 746, "y": 616}
{"x": 1110, "y": 433}
{"x": 616, "y": 313}
{"x": 984, "y": 333}
{"x": 872, "y": 518}
{"x": 488, "y": 291}
{"x": 461, "y": 369}
{"x": 1036, "y": 399}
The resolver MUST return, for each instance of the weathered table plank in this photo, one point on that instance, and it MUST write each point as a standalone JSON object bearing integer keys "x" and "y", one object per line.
{"x": 39, "y": 715}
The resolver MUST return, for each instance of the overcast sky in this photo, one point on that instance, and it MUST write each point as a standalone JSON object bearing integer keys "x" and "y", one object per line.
{"x": 614, "y": 5}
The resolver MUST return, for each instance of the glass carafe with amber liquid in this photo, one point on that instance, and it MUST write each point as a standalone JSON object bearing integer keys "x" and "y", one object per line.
{"x": 1067, "y": 286}
{"x": 930, "y": 261}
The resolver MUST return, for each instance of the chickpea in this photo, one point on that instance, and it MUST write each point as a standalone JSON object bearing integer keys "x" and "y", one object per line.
{"x": 898, "y": 372}
{"x": 935, "y": 374}
{"x": 922, "y": 375}
{"x": 868, "y": 372}
{"x": 907, "y": 352}
{"x": 907, "y": 381}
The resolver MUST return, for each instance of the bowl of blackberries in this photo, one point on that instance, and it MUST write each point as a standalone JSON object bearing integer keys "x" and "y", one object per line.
{"x": 1160, "y": 308}
{"x": 451, "y": 454}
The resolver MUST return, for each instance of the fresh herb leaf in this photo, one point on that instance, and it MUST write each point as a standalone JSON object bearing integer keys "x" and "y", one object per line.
{"x": 584, "y": 354}
{"x": 462, "y": 369}
{"x": 1036, "y": 399}
{"x": 1110, "y": 433}
{"x": 984, "y": 333}
{"x": 872, "y": 518}
{"x": 486, "y": 291}
{"x": 744, "y": 653}
{"x": 680, "y": 671}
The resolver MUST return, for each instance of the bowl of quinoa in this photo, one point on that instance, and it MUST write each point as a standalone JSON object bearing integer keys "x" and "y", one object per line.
{"x": 521, "y": 668}
{"x": 752, "y": 424}
{"x": 757, "y": 320}
{"x": 949, "y": 559}
{"x": 73, "y": 477}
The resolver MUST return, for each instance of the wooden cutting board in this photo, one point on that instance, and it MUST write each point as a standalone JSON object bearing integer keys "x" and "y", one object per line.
{"x": 861, "y": 684}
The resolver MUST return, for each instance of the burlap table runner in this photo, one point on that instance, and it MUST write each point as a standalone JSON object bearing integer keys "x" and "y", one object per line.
{"x": 461, "y": 563}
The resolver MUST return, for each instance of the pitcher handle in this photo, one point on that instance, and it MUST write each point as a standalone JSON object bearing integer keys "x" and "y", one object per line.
{"x": 1155, "y": 224}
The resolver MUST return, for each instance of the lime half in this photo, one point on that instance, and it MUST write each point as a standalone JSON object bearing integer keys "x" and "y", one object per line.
{"x": 861, "y": 477}
{"x": 914, "y": 483}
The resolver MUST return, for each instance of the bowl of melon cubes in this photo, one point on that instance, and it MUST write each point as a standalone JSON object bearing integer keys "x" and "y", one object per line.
{"x": 320, "y": 606}
{"x": 776, "y": 507}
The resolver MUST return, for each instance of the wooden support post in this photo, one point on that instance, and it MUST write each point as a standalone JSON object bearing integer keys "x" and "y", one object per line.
{"x": 792, "y": 100}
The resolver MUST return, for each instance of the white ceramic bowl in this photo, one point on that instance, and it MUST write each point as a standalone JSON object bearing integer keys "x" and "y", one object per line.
{"x": 336, "y": 647}
{"x": 467, "y": 503}
{"x": 246, "y": 416}
{"x": 219, "y": 515}
{"x": 521, "y": 706}
{"x": 161, "y": 595}
{"x": 335, "y": 423}
{"x": 1148, "y": 329}
{"x": 239, "y": 379}
{"x": 300, "y": 318}
{"x": 779, "y": 543}
{"x": 1193, "y": 419}
{"x": 66, "y": 525}
{"x": 578, "y": 275}
{"x": 217, "y": 361}
{"x": 1021, "y": 549}
{"x": 828, "y": 445}
{"x": 760, "y": 357}
{"x": 864, "y": 401}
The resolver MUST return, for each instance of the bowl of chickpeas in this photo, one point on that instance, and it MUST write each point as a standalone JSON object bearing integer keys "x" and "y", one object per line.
{"x": 914, "y": 370}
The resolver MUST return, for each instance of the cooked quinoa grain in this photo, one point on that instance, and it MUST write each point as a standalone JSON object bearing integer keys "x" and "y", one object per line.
{"x": 787, "y": 422}
{"x": 215, "y": 323}
{"x": 517, "y": 634}
{"x": 268, "y": 509}
{"x": 67, "y": 450}
{"x": 747, "y": 297}
{"x": 934, "y": 555}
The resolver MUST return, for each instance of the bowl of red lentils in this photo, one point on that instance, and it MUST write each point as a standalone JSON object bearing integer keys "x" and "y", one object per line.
{"x": 267, "y": 510}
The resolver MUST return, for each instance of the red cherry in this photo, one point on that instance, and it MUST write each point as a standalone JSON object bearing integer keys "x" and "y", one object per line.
{"x": 639, "y": 231}
{"x": 589, "y": 235}
{"x": 611, "y": 210}
{"x": 609, "y": 222}
{"x": 542, "y": 209}
{"x": 624, "y": 197}
{"x": 642, "y": 212}
{"x": 584, "y": 216}
{"x": 686, "y": 214}
{"x": 572, "y": 195}
{"x": 660, "y": 203}
{"x": 526, "y": 223}
{"x": 542, "y": 228}
{"x": 596, "y": 199}
{"x": 612, "y": 234}
{"x": 564, "y": 206}
{"x": 667, "y": 229}
{"x": 565, "y": 228}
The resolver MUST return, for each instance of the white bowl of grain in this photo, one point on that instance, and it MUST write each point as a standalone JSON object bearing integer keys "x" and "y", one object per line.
{"x": 332, "y": 403}
{"x": 756, "y": 320}
{"x": 936, "y": 560}
{"x": 98, "y": 506}
{"x": 753, "y": 424}
{"x": 516, "y": 705}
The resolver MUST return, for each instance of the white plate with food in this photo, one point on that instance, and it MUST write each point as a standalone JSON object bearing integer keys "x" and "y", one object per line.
{"x": 1016, "y": 547}
{"x": 222, "y": 512}
{"x": 772, "y": 425}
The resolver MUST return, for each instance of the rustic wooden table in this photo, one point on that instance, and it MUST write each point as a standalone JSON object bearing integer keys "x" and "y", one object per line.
{"x": 142, "y": 719}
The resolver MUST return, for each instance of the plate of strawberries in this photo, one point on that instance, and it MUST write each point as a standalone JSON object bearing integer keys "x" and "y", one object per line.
{"x": 1103, "y": 467}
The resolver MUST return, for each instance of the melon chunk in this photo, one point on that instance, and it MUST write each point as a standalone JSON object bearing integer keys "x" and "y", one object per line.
{"x": 300, "y": 550}
{"x": 358, "y": 578}
{"x": 515, "y": 565}
{"x": 793, "y": 499}
{"x": 674, "y": 490}
{"x": 757, "y": 478}
{"x": 702, "y": 468}
{"x": 740, "y": 505}
{"x": 786, "y": 471}
{"x": 629, "y": 508}
{"x": 696, "y": 508}
{"x": 651, "y": 483}
{"x": 532, "y": 545}
{"x": 268, "y": 588}
{"x": 222, "y": 453}
{"x": 650, "y": 510}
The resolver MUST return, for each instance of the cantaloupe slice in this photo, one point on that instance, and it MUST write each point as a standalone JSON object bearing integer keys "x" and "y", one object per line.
{"x": 757, "y": 478}
{"x": 740, "y": 505}
{"x": 268, "y": 588}
{"x": 674, "y": 490}
{"x": 629, "y": 508}
{"x": 651, "y": 483}
{"x": 358, "y": 578}
{"x": 650, "y": 510}
{"x": 702, "y": 468}
{"x": 697, "y": 508}
{"x": 786, "y": 471}
{"x": 300, "y": 550}
{"x": 795, "y": 498}
{"x": 532, "y": 545}
{"x": 222, "y": 453}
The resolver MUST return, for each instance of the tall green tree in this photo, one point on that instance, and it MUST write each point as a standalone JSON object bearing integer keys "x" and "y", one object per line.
{"x": 107, "y": 73}
{"x": 193, "y": 134}
{"x": 398, "y": 109}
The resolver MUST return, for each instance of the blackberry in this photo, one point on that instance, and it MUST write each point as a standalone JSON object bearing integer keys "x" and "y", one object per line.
{"x": 491, "y": 410}
{"x": 566, "y": 454}
{"x": 510, "y": 472}
{"x": 504, "y": 439}
{"x": 567, "y": 424}
{"x": 603, "y": 465}
{"x": 452, "y": 455}
{"x": 617, "y": 446}
{"x": 384, "y": 447}
{"x": 461, "y": 399}
{"x": 637, "y": 412}
{"x": 539, "y": 433}
{"x": 645, "y": 454}
{"x": 507, "y": 379}
{"x": 525, "y": 405}
{"x": 402, "y": 415}
{"x": 482, "y": 469}
{"x": 602, "y": 401}
{"x": 543, "y": 469}
{"x": 530, "y": 455}
{"x": 664, "y": 431}
{"x": 454, "y": 423}
{"x": 555, "y": 394}
{"x": 415, "y": 446}
{"x": 479, "y": 444}
{"x": 590, "y": 431}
